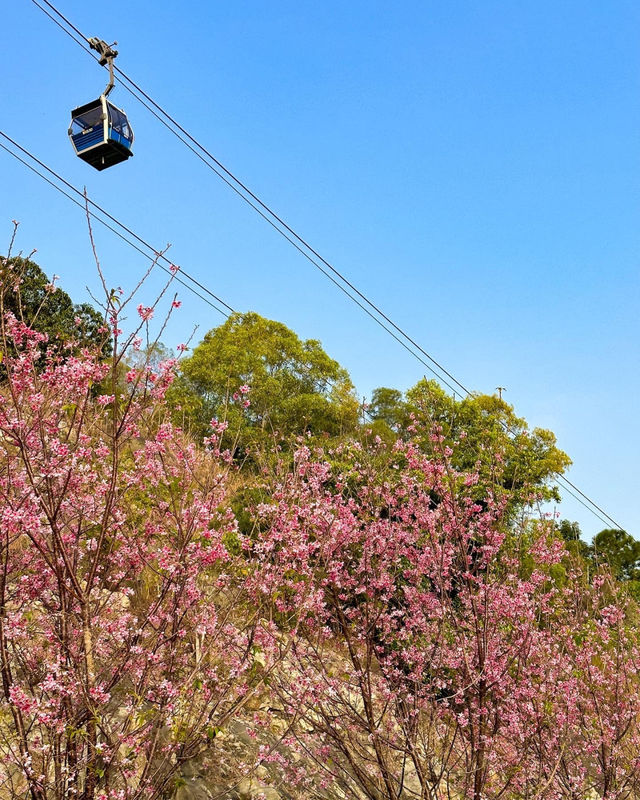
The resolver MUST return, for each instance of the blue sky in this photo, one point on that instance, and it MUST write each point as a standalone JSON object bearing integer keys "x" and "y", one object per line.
{"x": 473, "y": 167}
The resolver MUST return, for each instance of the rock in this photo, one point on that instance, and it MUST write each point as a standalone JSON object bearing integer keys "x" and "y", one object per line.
{"x": 253, "y": 789}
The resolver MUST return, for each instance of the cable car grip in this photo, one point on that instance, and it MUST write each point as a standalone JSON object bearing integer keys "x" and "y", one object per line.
{"x": 107, "y": 55}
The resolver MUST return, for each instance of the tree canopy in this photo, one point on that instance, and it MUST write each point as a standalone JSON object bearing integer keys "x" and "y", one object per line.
{"x": 265, "y": 381}
{"x": 487, "y": 434}
{"x": 620, "y": 551}
{"x": 359, "y": 627}
{"x": 33, "y": 298}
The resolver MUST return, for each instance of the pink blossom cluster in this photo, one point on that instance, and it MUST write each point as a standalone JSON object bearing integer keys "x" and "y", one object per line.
{"x": 420, "y": 634}
{"x": 117, "y": 622}
{"x": 379, "y": 610}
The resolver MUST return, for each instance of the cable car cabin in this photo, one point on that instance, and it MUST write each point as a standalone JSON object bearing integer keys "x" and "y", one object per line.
{"x": 100, "y": 133}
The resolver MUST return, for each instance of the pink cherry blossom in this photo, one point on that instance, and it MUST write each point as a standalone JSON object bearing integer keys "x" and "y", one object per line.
{"x": 145, "y": 312}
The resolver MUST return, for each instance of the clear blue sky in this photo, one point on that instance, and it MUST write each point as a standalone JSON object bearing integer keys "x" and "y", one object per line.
{"x": 474, "y": 167}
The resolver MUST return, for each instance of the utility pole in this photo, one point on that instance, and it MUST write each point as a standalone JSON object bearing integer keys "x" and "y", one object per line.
{"x": 500, "y": 389}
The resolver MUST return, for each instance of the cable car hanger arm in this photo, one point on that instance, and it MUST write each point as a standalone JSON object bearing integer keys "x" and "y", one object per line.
{"x": 100, "y": 132}
{"x": 107, "y": 55}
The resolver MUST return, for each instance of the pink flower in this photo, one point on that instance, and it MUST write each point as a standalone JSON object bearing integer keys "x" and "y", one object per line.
{"x": 21, "y": 700}
{"x": 145, "y": 312}
{"x": 219, "y": 426}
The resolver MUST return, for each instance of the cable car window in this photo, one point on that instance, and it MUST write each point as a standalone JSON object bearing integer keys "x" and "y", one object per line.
{"x": 86, "y": 121}
{"x": 119, "y": 122}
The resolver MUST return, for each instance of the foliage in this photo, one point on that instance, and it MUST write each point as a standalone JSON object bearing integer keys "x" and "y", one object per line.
{"x": 387, "y": 405}
{"x": 124, "y": 642}
{"x": 485, "y": 436}
{"x": 611, "y": 547}
{"x": 295, "y": 386}
{"x": 620, "y": 551}
{"x": 363, "y": 603}
{"x": 34, "y": 299}
{"x": 571, "y": 534}
{"x": 425, "y": 664}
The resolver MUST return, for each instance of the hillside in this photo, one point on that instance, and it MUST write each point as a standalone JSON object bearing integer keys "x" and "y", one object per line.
{"x": 322, "y": 607}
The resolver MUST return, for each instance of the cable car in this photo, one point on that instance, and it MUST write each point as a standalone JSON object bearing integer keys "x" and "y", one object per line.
{"x": 100, "y": 132}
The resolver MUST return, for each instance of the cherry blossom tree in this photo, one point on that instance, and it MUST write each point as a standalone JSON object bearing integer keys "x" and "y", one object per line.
{"x": 125, "y": 639}
{"x": 428, "y": 658}
{"x": 378, "y": 609}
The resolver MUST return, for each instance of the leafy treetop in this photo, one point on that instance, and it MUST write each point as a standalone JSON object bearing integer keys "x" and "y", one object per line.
{"x": 34, "y": 299}
{"x": 487, "y": 434}
{"x": 620, "y": 551}
{"x": 292, "y": 385}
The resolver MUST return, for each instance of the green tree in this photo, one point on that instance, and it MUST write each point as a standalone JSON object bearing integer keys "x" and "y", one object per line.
{"x": 28, "y": 293}
{"x": 572, "y": 536}
{"x": 490, "y": 437}
{"x": 570, "y": 531}
{"x": 485, "y": 435}
{"x": 388, "y": 406}
{"x": 294, "y": 386}
{"x": 620, "y": 551}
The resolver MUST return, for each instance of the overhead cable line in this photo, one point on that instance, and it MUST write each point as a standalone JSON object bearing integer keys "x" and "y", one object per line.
{"x": 261, "y": 208}
{"x": 594, "y": 508}
{"x": 285, "y": 230}
{"x": 568, "y": 484}
{"x": 292, "y": 237}
{"x": 178, "y": 276}
{"x": 590, "y": 508}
